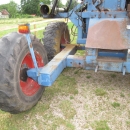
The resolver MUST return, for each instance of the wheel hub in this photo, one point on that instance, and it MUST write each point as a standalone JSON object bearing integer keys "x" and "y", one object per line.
{"x": 29, "y": 86}
{"x": 23, "y": 74}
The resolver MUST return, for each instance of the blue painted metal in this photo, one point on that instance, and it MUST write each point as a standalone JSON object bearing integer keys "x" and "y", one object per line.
{"x": 81, "y": 41}
{"x": 49, "y": 73}
{"x": 32, "y": 52}
{"x": 91, "y": 52}
{"x": 116, "y": 9}
{"x": 127, "y": 65}
{"x": 110, "y": 66}
{"x": 91, "y": 62}
{"x": 109, "y": 11}
{"x": 124, "y": 70}
{"x": 112, "y": 54}
{"x": 75, "y": 61}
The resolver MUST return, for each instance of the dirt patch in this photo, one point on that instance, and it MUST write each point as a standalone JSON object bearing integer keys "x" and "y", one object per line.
{"x": 78, "y": 100}
{"x": 91, "y": 107}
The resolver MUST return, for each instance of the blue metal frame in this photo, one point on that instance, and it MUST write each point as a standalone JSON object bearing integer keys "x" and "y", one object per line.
{"x": 49, "y": 73}
{"x": 32, "y": 52}
{"x": 96, "y": 58}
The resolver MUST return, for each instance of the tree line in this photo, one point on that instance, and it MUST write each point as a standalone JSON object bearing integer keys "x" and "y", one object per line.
{"x": 29, "y": 7}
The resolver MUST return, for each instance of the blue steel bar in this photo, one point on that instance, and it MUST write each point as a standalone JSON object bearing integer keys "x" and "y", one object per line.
{"x": 32, "y": 52}
{"x": 49, "y": 73}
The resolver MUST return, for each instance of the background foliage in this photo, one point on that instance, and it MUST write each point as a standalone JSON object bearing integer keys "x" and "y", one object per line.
{"x": 27, "y": 8}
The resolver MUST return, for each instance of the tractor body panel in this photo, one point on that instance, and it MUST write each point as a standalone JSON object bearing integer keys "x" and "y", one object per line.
{"x": 102, "y": 30}
{"x": 108, "y": 34}
{"x": 49, "y": 73}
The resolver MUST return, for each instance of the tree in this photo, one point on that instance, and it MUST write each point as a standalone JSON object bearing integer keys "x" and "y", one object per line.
{"x": 47, "y": 2}
{"x": 4, "y": 6}
{"x": 60, "y": 5}
{"x": 11, "y": 8}
{"x": 73, "y": 4}
{"x": 32, "y": 6}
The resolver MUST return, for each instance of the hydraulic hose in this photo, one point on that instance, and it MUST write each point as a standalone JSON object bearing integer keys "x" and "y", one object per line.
{"x": 53, "y": 7}
{"x": 68, "y": 6}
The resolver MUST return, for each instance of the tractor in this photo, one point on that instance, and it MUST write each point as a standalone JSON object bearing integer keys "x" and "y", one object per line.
{"x": 27, "y": 66}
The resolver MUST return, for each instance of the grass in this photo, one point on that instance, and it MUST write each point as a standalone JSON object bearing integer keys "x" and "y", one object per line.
{"x": 70, "y": 104}
{"x": 115, "y": 104}
{"x": 77, "y": 71}
{"x": 100, "y": 92}
{"x": 67, "y": 109}
{"x": 100, "y": 125}
{"x": 12, "y": 21}
{"x": 128, "y": 123}
{"x": 88, "y": 76}
{"x": 113, "y": 75}
{"x": 122, "y": 94}
{"x": 73, "y": 37}
{"x": 81, "y": 52}
{"x": 39, "y": 34}
{"x": 7, "y": 23}
{"x": 78, "y": 99}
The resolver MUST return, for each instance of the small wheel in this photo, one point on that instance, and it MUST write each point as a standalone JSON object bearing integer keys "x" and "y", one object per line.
{"x": 18, "y": 92}
{"x": 55, "y": 35}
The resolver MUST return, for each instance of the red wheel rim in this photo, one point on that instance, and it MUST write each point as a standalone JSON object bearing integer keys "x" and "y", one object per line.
{"x": 63, "y": 40}
{"x": 30, "y": 87}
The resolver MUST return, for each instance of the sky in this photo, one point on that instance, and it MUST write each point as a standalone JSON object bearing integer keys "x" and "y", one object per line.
{"x": 7, "y": 1}
{"x": 18, "y": 1}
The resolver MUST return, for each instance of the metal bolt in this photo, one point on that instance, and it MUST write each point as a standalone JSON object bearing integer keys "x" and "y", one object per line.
{"x": 115, "y": 16}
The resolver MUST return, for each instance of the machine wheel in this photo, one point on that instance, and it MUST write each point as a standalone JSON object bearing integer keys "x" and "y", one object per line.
{"x": 18, "y": 92}
{"x": 55, "y": 35}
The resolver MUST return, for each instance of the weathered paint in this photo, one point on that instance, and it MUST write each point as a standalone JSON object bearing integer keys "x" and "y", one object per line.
{"x": 75, "y": 61}
{"x": 99, "y": 28}
{"x": 91, "y": 62}
{"x": 49, "y": 73}
{"x": 112, "y": 54}
{"x": 91, "y": 51}
{"x": 110, "y": 66}
{"x": 127, "y": 66}
{"x": 108, "y": 34}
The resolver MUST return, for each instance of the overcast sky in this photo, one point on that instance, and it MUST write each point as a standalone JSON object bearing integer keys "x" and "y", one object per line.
{"x": 7, "y": 1}
{"x": 18, "y": 1}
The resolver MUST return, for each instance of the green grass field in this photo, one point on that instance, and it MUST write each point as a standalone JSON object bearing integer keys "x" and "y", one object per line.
{"x": 78, "y": 100}
{"x": 8, "y": 23}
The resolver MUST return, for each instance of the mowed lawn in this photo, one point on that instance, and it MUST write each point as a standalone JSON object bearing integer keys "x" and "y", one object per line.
{"x": 78, "y": 100}
{"x": 13, "y": 23}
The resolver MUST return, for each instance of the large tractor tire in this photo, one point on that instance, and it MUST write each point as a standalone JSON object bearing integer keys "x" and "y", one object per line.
{"x": 55, "y": 35}
{"x": 18, "y": 92}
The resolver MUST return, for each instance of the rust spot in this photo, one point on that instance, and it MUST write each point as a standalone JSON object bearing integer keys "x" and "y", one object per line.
{"x": 79, "y": 60}
{"x": 108, "y": 35}
{"x": 65, "y": 51}
{"x": 91, "y": 65}
{"x": 77, "y": 65}
{"x": 52, "y": 68}
{"x": 31, "y": 45}
{"x": 128, "y": 7}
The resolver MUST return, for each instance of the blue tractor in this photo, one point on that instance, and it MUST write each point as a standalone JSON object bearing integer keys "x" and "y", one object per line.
{"x": 103, "y": 33}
